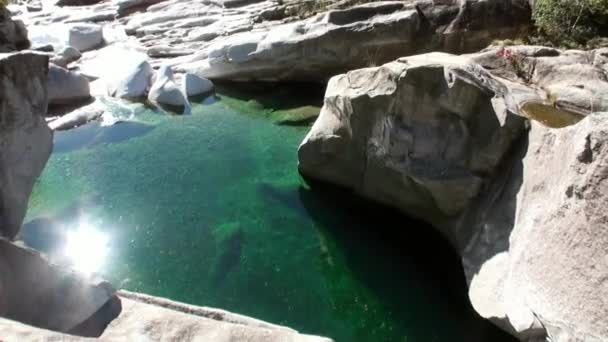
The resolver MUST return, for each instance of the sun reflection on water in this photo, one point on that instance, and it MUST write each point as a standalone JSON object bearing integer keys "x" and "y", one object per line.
{"x": 86, "y": 248}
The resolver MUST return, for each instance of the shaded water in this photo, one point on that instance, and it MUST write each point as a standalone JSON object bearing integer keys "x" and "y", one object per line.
{"x": 209, "y": 209}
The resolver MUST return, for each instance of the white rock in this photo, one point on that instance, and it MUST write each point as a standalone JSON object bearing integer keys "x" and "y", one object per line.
{"x": 127, "y": 74}
{"x": 65, "y": 86}
{"x": 165, "y": 90}
{"x": 194, "y": 85}
{"x": 76, "y": 118}
{"x": 83, "y": 37}
{"x": 66, "y": 56}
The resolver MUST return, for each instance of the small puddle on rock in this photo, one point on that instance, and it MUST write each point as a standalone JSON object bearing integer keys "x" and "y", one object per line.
{"x": 549, "y": 115}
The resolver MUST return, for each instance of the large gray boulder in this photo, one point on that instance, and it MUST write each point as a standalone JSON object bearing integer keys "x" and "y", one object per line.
{"x": 537, "y": 261}
{"x": 423, "y": 134}
{"x": 66, "y": 87}
{"x": 13, "y": 34}
{"x": 445, "y": 139}
{"x": 24, "y": 136}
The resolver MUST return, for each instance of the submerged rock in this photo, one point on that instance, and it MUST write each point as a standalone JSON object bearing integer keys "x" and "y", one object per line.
{"x": 66, "y": 87}
{"x": 443, "y": 138}
{"x": 25, "y": 138}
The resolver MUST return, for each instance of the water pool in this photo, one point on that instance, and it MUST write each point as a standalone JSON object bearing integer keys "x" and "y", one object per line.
{"x": 209, "y": 209}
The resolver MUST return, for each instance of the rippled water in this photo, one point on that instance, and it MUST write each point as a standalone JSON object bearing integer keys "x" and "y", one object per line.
{"x": 209, "y": 209}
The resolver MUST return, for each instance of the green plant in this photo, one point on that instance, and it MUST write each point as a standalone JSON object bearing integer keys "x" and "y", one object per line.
{"x": 571, "y": 23}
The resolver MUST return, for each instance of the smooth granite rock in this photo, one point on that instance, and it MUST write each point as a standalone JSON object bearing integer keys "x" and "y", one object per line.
{"x": 24, "y": 136}
{"x": 193, "y": 85}
{"x": 444, "y": 138}
{"x": 66, "y": 56}
{"x": 165, "y": 91}
{"x": 66, "y": 87}
{"x": 147, "y": 318}
{"x": 13, "y": 34}
{"x": 294, "y": 40}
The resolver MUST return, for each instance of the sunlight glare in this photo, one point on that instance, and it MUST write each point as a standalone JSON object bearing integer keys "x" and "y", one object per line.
{"x": 86, "y": 248}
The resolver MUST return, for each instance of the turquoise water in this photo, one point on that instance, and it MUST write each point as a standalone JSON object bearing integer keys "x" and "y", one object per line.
{"x": 209, "y": 209}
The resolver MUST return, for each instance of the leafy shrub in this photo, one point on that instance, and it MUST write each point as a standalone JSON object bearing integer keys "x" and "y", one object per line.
{"x": 571, "y": 23}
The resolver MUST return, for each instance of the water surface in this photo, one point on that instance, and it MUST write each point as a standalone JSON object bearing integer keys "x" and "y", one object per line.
{"x": 209, "y": 209}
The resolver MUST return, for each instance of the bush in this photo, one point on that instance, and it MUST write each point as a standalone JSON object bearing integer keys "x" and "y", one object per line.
{"x": 571, "y": 23}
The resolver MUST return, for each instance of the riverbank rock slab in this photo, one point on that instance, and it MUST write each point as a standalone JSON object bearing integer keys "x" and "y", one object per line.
{"x": 157, "y": 319}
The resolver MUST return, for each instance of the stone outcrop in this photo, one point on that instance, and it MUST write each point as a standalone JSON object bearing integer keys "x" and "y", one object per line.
{"x": 339, "y": 40}
{"x": 13, "y": 34}
{"x": 445, "y": 139}
{"x": 24, "y": 136}
{"x": 545, "y": 271}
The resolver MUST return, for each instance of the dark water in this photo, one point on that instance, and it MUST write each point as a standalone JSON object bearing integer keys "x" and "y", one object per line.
{"x": 209, "y": 209}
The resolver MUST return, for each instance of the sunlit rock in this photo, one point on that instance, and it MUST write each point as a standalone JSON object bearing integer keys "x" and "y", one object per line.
{"x": 66, "y": 87}
{"x": 66, "y": 56}
{"x": 165, "y": 91}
